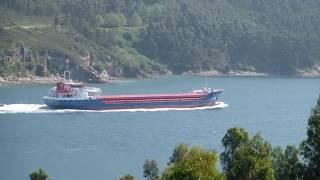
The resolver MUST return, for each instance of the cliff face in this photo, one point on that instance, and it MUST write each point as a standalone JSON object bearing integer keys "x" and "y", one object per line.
{"x": 26, "y": 63}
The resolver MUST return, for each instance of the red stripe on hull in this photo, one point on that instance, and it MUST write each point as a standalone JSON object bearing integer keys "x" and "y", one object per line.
{"x": 149, "y": 100}
{"x": 157, "y": 107}
{"x": 151, "y": 96}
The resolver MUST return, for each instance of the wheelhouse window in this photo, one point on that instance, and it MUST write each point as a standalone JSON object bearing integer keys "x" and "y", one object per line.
{"x": 92, "y": 93}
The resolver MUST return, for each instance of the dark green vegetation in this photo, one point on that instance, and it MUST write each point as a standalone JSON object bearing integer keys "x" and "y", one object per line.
{"x": 196, "y": 163}
{"x": 39, "y": 174}
{"x": 310, "y": 148}
{"x": 151, "y": 170}
{"x": 127, "y": 177}
{"x": 244, "y": 157}
{"x": 141, "y": 37}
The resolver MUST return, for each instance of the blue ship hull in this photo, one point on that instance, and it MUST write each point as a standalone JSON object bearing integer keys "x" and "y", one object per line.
{"x": 103, "y": 104}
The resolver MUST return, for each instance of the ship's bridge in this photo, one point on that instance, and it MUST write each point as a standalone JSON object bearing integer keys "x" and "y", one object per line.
{"x": 74, "y": 90}
{"x": 67, "y": 89}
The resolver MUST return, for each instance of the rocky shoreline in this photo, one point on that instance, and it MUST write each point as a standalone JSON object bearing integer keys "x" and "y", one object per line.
{"x": 32, "y": 79}
{"x": 11, "y": 79}
{"x": 310, "y": 72}
{"x": 231, "y": 73}
{"x": 313, "y": 72}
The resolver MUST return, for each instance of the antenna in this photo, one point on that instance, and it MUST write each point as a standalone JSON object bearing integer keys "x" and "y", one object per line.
{"x": 206, "y": 74}
{"x": 67, "y": 72}
{"x": 67, "y": 61}
{"x": 206, "y": 79}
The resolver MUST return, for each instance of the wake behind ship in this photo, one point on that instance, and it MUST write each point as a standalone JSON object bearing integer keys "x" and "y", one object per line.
{"x": 68, "y": 94}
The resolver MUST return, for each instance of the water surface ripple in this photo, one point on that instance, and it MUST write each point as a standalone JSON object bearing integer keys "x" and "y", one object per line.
{"x": 93, "y": 145}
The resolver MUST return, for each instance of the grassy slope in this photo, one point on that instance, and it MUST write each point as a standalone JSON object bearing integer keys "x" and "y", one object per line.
{"x": 39, "y": 34}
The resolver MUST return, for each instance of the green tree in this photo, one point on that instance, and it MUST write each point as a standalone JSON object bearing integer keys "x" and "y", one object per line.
{"x": 123, "y": 19}
{"x": 39, "y": 174}
{"x": 196, "y": 164}
{"x": 253, "y": 160}
{"x": 39, "y": 70}
{"x": 99, "y": 20}
{"x": 179, "y": 152}
{"x": 114, "y": 20}
{"x": 232, "y": 140}
{"x": 246, "y": 158}
{"x": 127, "y": 36}
{"x": 287, "y": 165}
{"x": 135, "y": 20}
{"x": 151, "y": 170}
{"x": 310, "y": 148}
{"x": 127, "y": 177}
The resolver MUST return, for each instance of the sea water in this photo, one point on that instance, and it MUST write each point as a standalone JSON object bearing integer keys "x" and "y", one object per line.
{"x": 74, "y": 144}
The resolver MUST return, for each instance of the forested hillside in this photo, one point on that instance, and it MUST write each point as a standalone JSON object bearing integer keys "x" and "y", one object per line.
{"x": 138, "y": 38}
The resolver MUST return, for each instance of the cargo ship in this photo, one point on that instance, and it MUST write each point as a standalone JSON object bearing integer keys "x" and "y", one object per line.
{"x": 68, "y": 94}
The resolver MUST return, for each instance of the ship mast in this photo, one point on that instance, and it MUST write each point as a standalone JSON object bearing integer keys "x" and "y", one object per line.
{"x": 66, "y": 74}
{"x": 206, "y": 76}
{"x": 206, "y": 80}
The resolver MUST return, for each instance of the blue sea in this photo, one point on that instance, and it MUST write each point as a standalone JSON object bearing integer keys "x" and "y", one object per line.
{"x": 82, "y": 145}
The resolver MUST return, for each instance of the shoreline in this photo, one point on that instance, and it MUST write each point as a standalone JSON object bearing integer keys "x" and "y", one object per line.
{"x": 229, "y": 74}
{"x": 300, "y": 73}
{"x": 11, "y": 79}
{"x": 28, "y": 80}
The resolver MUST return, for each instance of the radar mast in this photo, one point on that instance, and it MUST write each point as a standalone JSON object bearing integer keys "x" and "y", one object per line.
{"x": 67, "y": 73}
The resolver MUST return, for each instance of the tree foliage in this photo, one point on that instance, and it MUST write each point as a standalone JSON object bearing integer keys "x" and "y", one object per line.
{"x": 135, "y": 20}
{"x": 277, "y": 37}
{"x": 151, "y": 170}
{"x": 246, "y": 158}
{"x": 179, "y": 152}
{"x": 232, "y": 140}
{"x": 310, "y": 148}
{"x": 196, "y": 164}
{"x": 127, "y": 177}
{"x": 114, "y": 20}
{"x": 242, "y": 34}
{"x": 286, "y": 164}
{"x": 39, "y": 174}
